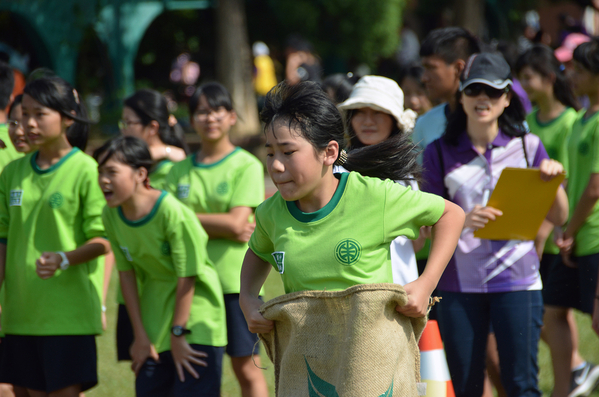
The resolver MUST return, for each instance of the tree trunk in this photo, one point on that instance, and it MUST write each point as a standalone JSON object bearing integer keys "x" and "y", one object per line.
{"x": 234, "y": 64}
{"x": 470, "y": 14}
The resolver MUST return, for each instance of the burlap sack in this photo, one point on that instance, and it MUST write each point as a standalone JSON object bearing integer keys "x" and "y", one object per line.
{"x": 345, "y": 343}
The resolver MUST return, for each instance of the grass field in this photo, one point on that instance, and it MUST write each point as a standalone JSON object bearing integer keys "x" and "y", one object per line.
{"x": 116, "y": 379}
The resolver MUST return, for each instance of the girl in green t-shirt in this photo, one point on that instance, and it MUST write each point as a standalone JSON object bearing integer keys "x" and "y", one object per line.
{"x": 51, "y": 236}
{"x": 304, "y": 136}
{"x": 178, "y": 317}
{"x": 544, "y": 79}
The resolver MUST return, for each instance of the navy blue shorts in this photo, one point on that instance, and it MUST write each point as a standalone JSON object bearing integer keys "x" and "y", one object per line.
{"x": 161, "y": 379}
{"x": 49, "y": 363}
{"x": 572, "y": 287}
{"x": 124, "y": 334}
{"x": 242, "y": 343}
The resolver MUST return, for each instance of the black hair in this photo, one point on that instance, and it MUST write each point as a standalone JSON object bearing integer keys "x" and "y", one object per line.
{"x": 7, "y": 83}
{"x": 587, "y": 54}
{"x": 150, "y": 105}
{"x": 16, "y": 102}
{"x": 56, "y": 94}
{"x": 542, "y": 60}
{"x": 342, "y": 85}
{"x": 308, "y": 110}
{"x": 509, "y": 51}
{"x": 511, "y": 121}
{"x": 129, "y": 150}
{"x": 216, "y": 95}
{"x": 450, "y": 44}
{"x": 413, "y": 71}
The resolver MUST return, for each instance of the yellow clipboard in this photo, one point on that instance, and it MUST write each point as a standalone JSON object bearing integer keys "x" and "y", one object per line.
{"x": 524, "y": 198}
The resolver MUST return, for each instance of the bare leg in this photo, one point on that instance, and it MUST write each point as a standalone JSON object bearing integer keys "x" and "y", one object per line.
{"x": 251, "y": 378}
{"x": 70, "y": 391}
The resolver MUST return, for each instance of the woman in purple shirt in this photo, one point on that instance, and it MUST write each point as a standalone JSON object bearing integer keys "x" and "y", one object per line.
{"x": 489, "y": 282}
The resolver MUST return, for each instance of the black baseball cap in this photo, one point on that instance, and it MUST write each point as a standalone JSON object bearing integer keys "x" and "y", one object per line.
{"x": 486, "y": 68}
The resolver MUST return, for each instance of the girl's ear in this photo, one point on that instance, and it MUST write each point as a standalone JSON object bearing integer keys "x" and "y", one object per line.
{"x": 152, "y": 128}
{"x": 331, "y": 152}
{"x": 508, "y": 98}
{"x": 233, "y": 117}
{"x": 67, "y": 121}
{"x": 141, "y": 174}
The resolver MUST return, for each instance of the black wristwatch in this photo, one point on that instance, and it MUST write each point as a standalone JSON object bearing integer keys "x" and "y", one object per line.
{"x": 178, "y": 330}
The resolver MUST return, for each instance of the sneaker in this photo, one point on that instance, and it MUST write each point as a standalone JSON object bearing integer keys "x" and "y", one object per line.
{"x": 584, "y": 380}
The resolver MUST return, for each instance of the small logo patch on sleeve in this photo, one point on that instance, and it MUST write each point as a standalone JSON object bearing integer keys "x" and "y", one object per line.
{"x": 279, "y": 260}
{"x": 16, "y": 197}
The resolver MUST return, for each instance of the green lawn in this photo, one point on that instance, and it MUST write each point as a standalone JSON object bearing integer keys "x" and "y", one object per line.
{"x": 116, "y": 379}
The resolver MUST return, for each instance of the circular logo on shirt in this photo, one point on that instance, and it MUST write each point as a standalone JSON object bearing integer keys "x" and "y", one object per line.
{"x": 583, "y": 148}
{"x": 166, "y": 248}
{"x": 222, "y": 188}
{"x": 348, "y": 252}
{"x": 55, "y": 200}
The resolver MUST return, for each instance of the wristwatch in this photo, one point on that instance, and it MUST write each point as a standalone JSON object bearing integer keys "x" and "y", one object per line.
{"x": 64, "y": 265}
{"x": 178, "y": 330}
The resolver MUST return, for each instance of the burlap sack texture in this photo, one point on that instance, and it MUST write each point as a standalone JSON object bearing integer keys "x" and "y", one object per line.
{"x": 344, "y": 343}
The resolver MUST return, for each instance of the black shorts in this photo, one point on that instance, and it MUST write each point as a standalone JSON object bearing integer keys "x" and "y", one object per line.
{"x": 161, "y": 379}
{"x": 49, "y": 363}
{"x": 573, "y": 287}
{"x": 124, "y": 334}
{"x": 242, "y": 343}
{"x": 545, "y": 266}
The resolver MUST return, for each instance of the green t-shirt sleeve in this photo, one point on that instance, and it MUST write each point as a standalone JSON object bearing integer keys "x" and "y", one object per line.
{"x": 122, "y": 264}
{"x": 187, "y": 243}
{"x": 4, "y": 206}
{"x": 406, "y": 210}
{"x": 92, "y": 203}
{"x": 595, "y": 158}
{"x": 260, "y": 243}
{"x": 249, "y": 188}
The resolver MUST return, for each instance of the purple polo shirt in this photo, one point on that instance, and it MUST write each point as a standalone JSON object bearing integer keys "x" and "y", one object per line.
{"x": 478, "y": 265}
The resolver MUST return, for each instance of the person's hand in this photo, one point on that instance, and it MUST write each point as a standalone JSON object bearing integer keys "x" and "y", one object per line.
{"x": 140, "y": 351}
{"x": 184, "y": 356}
{"x": 550, "y": 169}
{"x": 480, "y": 216}
{"x": 566, "y": 249}
{"x": 418, "y": 298}
{"x": 257, "y": 324}
{"x": 246, "y": 232}
{"x": 47, "y": 264}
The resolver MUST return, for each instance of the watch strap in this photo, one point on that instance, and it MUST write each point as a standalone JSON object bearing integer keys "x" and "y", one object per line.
{"x": 64, "y": 265}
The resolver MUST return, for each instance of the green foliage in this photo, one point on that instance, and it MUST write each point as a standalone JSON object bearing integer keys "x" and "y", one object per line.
{"x": 362, "y": 30}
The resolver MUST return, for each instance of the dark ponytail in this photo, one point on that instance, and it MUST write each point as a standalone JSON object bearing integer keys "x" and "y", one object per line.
{"x": 541, "y": 59}
{"x": 308, "y": 109}
{"x": 150, "y": 105}
{"x": 56, "y": 94}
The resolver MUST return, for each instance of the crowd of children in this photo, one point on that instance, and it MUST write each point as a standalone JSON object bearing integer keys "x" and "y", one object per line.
{"x": 194, "y": 239}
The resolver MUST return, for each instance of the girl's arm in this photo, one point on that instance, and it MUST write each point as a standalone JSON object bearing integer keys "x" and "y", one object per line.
{"x": 253, "y": 275}
{"x": 108, "y": 266}
{"x": 49, "y": 262}
{"x": 183, "y": 354}
{"x": 558, "y": 213}
{"x": 142, "y": 348}
{"x": 445, "y": 235}
{"x": 233, "y": 225}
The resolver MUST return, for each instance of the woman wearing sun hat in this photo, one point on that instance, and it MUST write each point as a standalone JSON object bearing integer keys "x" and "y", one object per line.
{"x": 374, "y": 112}
{"x": 489, "y": 283}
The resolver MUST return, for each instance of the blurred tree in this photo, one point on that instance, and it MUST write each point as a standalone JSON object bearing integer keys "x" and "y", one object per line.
{"x": 360, "y": 30}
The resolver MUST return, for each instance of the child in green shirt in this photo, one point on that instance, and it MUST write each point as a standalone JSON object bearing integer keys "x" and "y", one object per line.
{"x": 331, "y": 231}
{"x": 52, "y": 234}
{"x": 178, "y": 317}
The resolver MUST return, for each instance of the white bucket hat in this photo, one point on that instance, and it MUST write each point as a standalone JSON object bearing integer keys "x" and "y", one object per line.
{"x": 382, "y": 94}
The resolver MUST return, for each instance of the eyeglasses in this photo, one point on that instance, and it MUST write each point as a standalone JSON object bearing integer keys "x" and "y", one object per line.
{"x": 14, "y": 124}
{"x": 123, "y": 124}
{"x": 202, "y": 114}
{"x": 477, "y": 88}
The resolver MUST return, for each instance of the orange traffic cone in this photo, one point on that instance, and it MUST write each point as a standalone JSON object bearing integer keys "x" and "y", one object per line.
{"x": 433, "y": 364}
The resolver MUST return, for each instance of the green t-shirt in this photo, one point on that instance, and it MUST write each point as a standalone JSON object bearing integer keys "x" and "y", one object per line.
{"x": 159, "y": 173}
{"x": 163, "y": 246}
{"x": 554, "y": 135}
{"x": 347, "y": 241}
{"x": 9, "y": 153}
{"x": 583, "y": 156}
{"x": 56, "y": 209}
{"x": 237, "y": 180}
